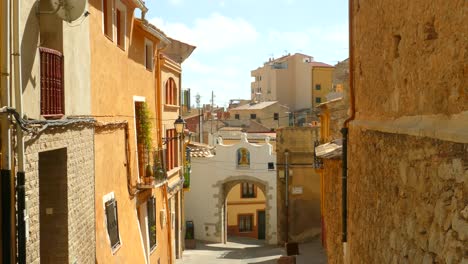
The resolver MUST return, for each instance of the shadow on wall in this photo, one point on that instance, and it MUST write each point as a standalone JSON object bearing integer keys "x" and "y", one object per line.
{"x": 29, "y": 44}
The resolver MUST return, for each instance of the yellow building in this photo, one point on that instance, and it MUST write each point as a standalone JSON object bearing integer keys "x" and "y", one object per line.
{"x": 322, "y": 81}
{"x": 296, "y": 81}
{"x": 169, "y": 105}
{"x": 246, "y": 211}
{"x": 132, "y": 219}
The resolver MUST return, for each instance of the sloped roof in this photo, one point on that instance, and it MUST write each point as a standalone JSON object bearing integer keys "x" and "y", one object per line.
{"x": 256, "y": 106}
{"x": 320, "y": 64}
{"x": 330, "y": 150}
{"x": 200, "y": 150}
{"x": 178, "y": 50}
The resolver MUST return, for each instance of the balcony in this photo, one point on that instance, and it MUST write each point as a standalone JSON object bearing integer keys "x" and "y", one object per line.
{"x": 154, "y": 173}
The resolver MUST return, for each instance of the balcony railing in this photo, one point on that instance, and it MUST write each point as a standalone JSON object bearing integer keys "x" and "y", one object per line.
{"x": 52, "y": 90}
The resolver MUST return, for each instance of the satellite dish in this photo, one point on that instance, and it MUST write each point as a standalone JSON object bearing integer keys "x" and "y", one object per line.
{"x": 68, "y": 10}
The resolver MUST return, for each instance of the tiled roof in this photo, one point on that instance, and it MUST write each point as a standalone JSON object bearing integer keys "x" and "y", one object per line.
{"x": 200, "y": 150}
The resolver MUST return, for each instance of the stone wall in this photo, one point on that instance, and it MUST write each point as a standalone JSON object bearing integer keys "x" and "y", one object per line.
{"x": 410, "y": 57}
{"x": 407, "y": 200}
{"x": 79, "y": 145}
{"x": 332, "y": 213}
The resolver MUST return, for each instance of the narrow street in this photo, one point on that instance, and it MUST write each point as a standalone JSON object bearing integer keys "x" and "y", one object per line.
{"x": 246, "y": 250}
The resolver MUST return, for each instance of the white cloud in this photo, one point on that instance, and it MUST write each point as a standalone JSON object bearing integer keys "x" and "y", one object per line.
{"x": 175, "y": 2}
{"x": 211, "y": 34}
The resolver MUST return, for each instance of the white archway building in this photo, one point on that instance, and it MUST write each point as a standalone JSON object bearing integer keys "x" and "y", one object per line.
{"x": 213, "y": 177}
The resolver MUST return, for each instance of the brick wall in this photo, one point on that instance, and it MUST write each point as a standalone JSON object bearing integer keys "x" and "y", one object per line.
{"x": 79, "y": 145}
{"x": 407, "y": 200}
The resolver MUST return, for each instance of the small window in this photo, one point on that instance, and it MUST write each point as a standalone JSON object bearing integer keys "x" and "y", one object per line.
{"x": 275, "y": 116}
{"x": 237, "y": 116}
{"x": 249, "y": 190}
{"x": 318, "y": 87}
{"x": 245, "y": 223}
{"x": 318, "y": 100}
{"x": 253, "y": 116}
{"x": 148, "y": 55}
{"x": 107, "y": 17}
{"x": 120, "y": 27}
{"x": 171, "y": 92}
{"x": 271, "y": 165}
{"x": 152, "y": 222}
{"x": 112, "y": 223}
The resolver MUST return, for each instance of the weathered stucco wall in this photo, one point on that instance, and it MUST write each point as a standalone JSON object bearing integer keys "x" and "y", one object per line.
{"x": 410, "y": 57}
{"x": 408, "y": 199}
{"x": 304, "y": 207}
{"x": 332, "y": 213}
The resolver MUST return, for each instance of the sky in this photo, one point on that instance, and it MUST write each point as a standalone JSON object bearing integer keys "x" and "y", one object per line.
{"x": 233, "y": 37}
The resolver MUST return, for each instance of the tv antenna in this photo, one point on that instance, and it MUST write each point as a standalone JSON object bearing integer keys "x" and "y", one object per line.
{"x": 67, "y": 10}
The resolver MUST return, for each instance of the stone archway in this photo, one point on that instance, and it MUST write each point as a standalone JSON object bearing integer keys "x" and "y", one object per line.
{"x": 225, "y": 185}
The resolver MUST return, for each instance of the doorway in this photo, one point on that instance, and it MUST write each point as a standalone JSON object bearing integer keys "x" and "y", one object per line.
{"x": 53, "y": 206}
{"x": 261, "y": 224}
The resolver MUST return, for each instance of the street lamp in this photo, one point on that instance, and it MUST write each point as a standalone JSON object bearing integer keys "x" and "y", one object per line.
{"x": 179, "y": 125}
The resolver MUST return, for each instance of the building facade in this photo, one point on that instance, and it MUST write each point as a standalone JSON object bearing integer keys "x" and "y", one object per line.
{"x": 299, "y": 186}
{"x": 215, "y": 176}
{"x": 131, "y": 195}
{"x": 269, "y": 115}
{"x": 170, "y": 106}
{"x": 246, "y": 211}
{"x": 46, "y": 77}
{"x": 296, "y": 81}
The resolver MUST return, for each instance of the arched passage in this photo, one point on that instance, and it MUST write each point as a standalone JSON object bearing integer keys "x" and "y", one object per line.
{"x": 269, "y": 191}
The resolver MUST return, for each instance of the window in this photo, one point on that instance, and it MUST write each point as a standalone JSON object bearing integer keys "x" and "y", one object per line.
{"x": 245, "y": 223}
{"x": 318, "y": 87}
{"x": 243, "y": 158}
{"x": 237, "y": 116}
{"x": 253, "y": 116}
{"x": 171, "y": 92}
{"x": 107, "y": 7}
{"x": 275, "y": 116}
{"x": 271, "y": 165}
{"x": 249, "y": 190}
{"x": 148, "y": 55}
{"x": 152, "y": 222}
{"x": 51, "y": 82}
{"x": 120, "y": 27}
{"x": 318, "y": 100}
{"x": 112, "y": 223}
{"x": 171, "y": 150}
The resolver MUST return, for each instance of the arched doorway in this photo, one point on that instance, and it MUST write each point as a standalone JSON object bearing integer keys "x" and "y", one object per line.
{"x": 267, "y": 213}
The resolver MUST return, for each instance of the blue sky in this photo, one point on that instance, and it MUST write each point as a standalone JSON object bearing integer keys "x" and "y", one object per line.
{"x": 234, "y": 37}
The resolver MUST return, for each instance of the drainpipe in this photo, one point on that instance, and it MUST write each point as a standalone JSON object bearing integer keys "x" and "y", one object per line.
{"x": 286, "y": 198}
{"x": 19, "y": 134}
{"x": 344, "y": 131}
{"x": 6, "y": 191}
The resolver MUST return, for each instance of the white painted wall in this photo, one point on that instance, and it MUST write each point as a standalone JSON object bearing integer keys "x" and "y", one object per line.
{"x": 204, "y": 202}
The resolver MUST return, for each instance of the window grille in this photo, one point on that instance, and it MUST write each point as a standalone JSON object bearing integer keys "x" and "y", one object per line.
{"x": 52, "y": 101}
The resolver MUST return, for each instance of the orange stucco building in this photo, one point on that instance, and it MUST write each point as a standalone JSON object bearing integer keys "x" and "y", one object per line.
{"x": 131, "y": 196}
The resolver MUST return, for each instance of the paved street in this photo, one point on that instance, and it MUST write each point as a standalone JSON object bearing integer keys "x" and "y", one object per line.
{"x": 245, "y": 250}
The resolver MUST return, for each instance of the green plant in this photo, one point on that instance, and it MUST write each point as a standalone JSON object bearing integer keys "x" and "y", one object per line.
{"x": 144, "y": 117}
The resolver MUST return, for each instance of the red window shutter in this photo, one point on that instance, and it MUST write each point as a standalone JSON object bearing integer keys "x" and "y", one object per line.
{"x": 52, "y": 90}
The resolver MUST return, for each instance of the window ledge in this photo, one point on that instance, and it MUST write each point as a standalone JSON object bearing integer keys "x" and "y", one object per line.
{"x": 170, "y": 107}
{"x": 55, "y": 116}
